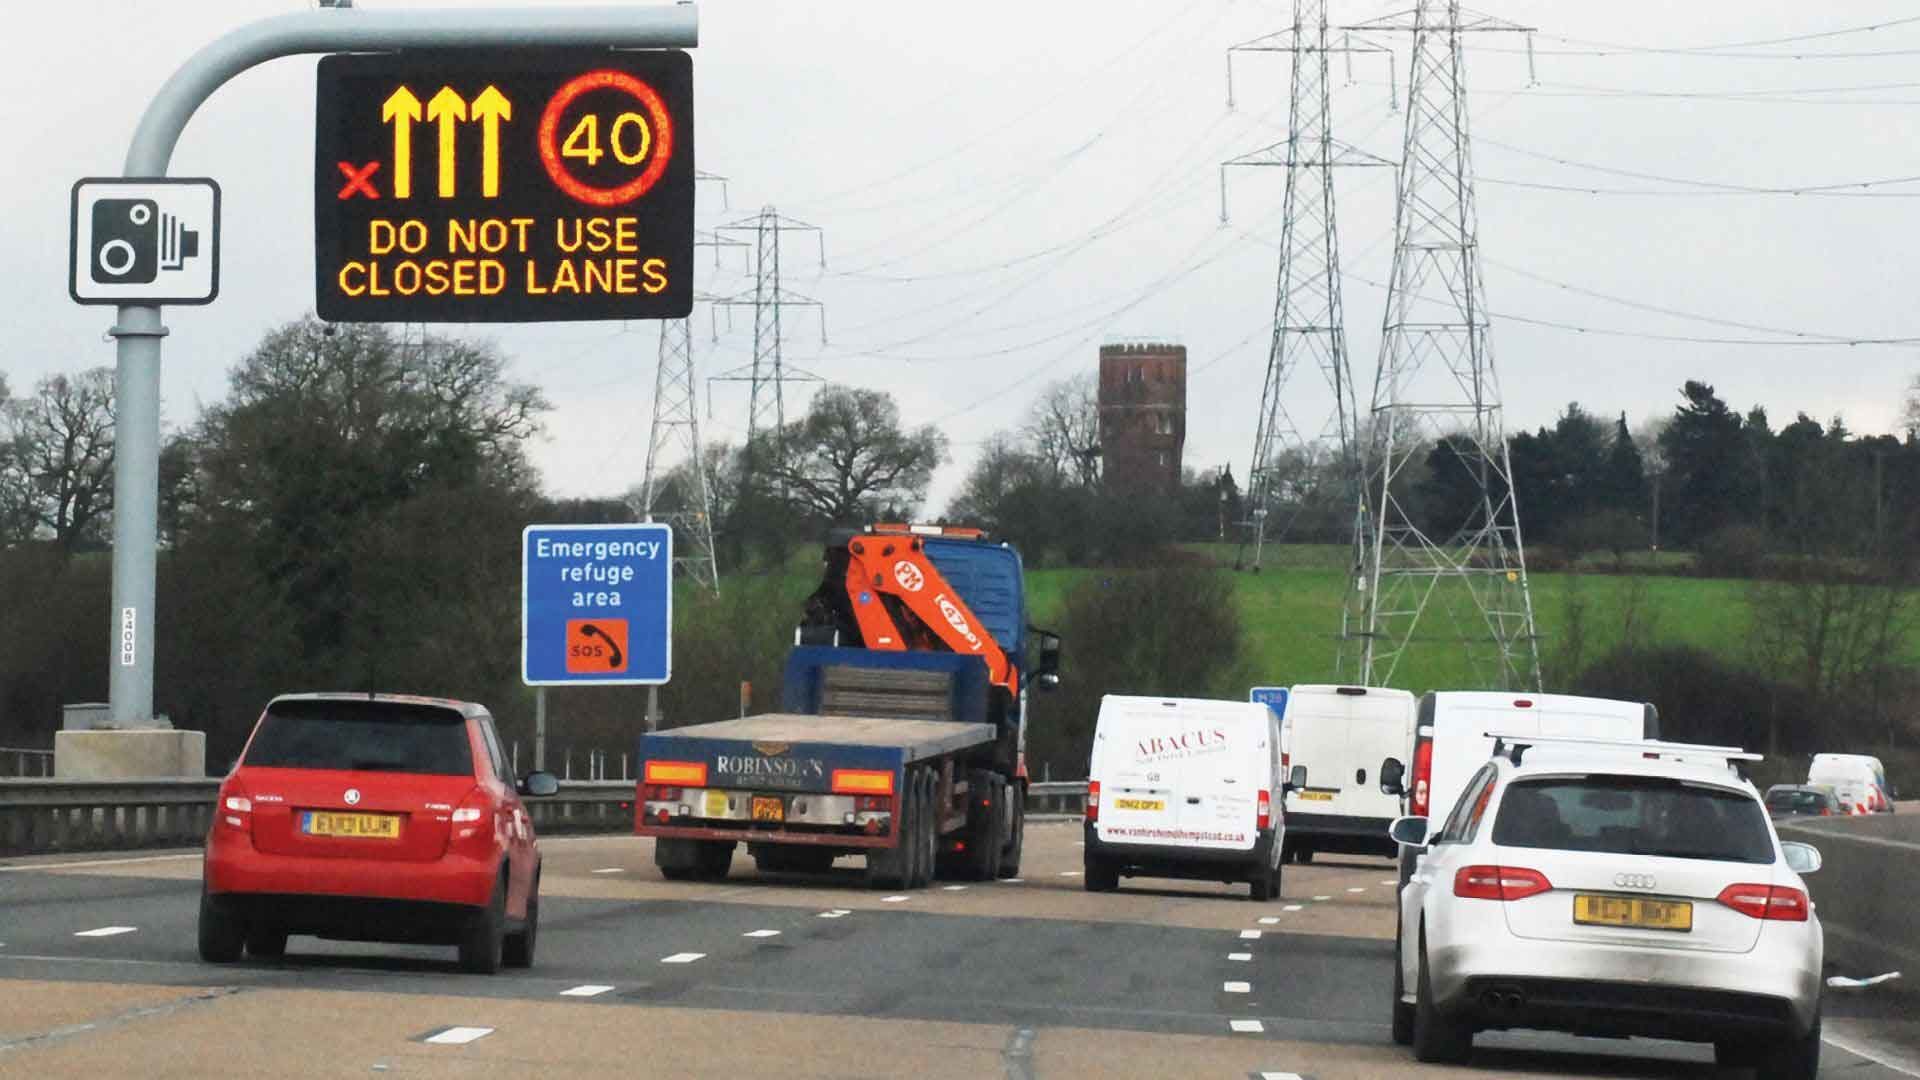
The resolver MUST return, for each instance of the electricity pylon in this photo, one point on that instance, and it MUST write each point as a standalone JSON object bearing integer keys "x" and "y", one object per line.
{"x": 1436, "y": 409}
{"x": 676, "y": 419}
{"x": 1308, "y": 323}
{"x": 769, "y": 373}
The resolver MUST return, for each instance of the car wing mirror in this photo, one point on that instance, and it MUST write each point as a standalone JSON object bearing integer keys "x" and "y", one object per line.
{"x": 539, "y": 785}
{"x": 1410, "y": 831}
{"x": 1393, "y": 777}
{"x": 1046, "y": 670}
{"x": 1801, "y": 858}
{"x": 1296, "y": 779}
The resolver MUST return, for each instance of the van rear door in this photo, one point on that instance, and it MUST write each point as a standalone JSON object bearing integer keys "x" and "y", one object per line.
{"x": 1139, "y": 800}
{"x": 1180, "y": 773}
{"x": 1226, "y": 756}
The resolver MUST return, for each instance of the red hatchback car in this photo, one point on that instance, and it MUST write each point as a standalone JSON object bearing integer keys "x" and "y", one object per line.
{"x": 374, "y": 817}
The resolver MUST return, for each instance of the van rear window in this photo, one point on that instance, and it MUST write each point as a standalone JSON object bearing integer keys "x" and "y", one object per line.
{"x": 1630, "y": 815}
{"x": 377, "y": 736}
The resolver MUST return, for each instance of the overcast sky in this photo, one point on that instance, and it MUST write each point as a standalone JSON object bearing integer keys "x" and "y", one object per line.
{"x": 1005, "y": 186}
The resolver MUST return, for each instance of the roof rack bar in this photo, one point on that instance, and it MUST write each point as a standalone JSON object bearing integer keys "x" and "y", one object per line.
{"x": 1651, "y": 746}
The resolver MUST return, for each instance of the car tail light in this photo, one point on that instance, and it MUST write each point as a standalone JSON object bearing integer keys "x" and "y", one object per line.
{"x": 1777, "y": 902}
{"x": 1263, "y": 810}
{"x": 1505, "y": 883}
{"x": 684, "y": 773}
{"x": 236, "y": 807}
{"x": 863, "y": 781}
{"x": 1093, "y": 800}
{"x": 470, "y": 813}
{"x": 1826, "y": 811}
{"x": 1422, "y": 772}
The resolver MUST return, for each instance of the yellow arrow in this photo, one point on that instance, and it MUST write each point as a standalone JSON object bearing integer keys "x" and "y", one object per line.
{"x": 402, "y": 110}
{"x": 490, "y": 108}
{"x": 448, "y": 109}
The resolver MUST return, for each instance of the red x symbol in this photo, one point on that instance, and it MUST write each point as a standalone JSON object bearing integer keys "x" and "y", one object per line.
{"x": 358, "y": 180}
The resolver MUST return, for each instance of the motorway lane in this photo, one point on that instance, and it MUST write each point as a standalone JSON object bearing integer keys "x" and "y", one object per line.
{"x": 1031, "y": 979}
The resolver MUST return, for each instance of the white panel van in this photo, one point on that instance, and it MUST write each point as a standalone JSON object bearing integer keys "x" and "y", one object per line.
{"x": 1451, "y": 741}
{"x": 1185, "y": 788}
{"x": 1859, "y": 779}
{"x": 1352, "y": 740}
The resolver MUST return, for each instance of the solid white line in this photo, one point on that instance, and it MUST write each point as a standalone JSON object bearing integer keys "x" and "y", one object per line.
{"x": 682, "y": 958}
{"x": 1269, "y": 920}
{"x": 1905, "y": 1066}
{"x": 460, "y": 1036}
{"x": 902, "y": 898}
{"x": 107, "y": 931}
{"x": 1293, "y": 907}
{"x": 761, "y": 933}
{"x": 589, "y": 990}
{"x": 103, "y": 862}
{"x": 1237, "y": 987}
{"x": 1246, "y": 1025}
{"x": 1243, "y": 957}
{"x": 1249, "y": 935}
{"x": 611, "y": 870}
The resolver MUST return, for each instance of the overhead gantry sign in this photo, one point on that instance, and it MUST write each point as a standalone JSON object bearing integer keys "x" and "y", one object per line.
{"x": 497, "y": 186}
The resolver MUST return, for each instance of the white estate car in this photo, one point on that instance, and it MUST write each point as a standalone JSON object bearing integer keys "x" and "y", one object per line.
{"x": 1616, "y": 888}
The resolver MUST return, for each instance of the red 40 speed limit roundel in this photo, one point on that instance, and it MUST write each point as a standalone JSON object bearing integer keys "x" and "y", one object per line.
{"x": 482, "y": 186}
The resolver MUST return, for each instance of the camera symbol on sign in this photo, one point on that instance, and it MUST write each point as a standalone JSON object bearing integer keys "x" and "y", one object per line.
{"x": 133, "y": 240}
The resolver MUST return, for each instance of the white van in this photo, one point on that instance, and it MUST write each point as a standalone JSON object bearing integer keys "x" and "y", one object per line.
{"x": 1451, "y": 741}
{"x": 1185, "y": 788}
{"x": 1859, "y": 779}
{"x": 1351, "y": 739}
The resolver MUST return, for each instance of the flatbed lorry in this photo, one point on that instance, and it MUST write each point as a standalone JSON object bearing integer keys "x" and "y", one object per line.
{"x": 901, "y": 735}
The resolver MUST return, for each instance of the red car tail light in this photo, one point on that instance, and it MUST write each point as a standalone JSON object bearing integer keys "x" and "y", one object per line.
{"x": 1503, "y": 883}
{"x": 236, "y": 807}
{"x": 1422, "y": 772}
{"x": 1093, "y": 800}
{"x": 470, "y": 817}
{"x": 1777, "y": 902}
{"x": 1263, "y": 811}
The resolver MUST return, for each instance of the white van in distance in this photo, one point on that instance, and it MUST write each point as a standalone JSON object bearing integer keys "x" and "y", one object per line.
{"x": 1859, "y": 779}
{"x": 1356, "y": 742}
{"x": 1185, "y": 788}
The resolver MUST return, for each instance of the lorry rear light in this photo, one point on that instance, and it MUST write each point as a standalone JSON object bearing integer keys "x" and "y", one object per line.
{"x": 1093, "y": 800}
{"x": 683, "y": 773}
{"x": 873, "y": 804}
{"x": 1422, "y": 772}
{"x": 1264, "y": 810}
{"x": 663, "y": 815}
{"x": 1505, "y": 883}
{"x": 1777, "y": 902}
{"x": 657, "y": 793}
{"x": 863, "y": 781}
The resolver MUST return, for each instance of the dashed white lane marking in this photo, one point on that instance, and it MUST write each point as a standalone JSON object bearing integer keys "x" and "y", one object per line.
{"x": 611, "y": 870}
{"x": 1281, "y": 1076}
{"x": 1016, "y": 881}
{"x": 1389, "y": 881}
{"x": 1246, "y": 1025}
{"x": 836, "y": 913}
{"x": 1293, "y": 907}
{"x": 1269, "y": 920}
{"x": 1242, "y": 957}
{"x": 761, "y": 933}
{"x": 1249, "y": 935}
{"x": 682, "y": 958}
{"x": 1237, "y": 987}
{"x": 459, "y": 1036}
{"x": 953, "y": 888}
{"x": 1069, "y": 873}
{"x": 1358, "y": 888}
{"x": 1323, "y": 898}
{"x": 106, "y": 931}
{"x": 589, "y": 990}
{"x": 897, "y": 899}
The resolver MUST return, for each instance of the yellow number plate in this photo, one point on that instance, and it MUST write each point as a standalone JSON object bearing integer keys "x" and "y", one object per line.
{"x": 769, "y": 808}
{"x": 1317, "y": 796}
{"x": 1139, "y": 804}
{"x": 1633, "y": 911}
{"x": 377, "y": 826}
{"x": 716, "y": 804}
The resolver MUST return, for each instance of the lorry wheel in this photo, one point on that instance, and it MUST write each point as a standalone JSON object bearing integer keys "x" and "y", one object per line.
{"x": 996, "y": 830}
{"x": 713, "y": 859}
{"x": 892, "y": 868}
{"x": 926, "y": 832}
{"x": 983, "y": 810}
{"x": 676, "y": 858}
{"x": 1017, "y": 804}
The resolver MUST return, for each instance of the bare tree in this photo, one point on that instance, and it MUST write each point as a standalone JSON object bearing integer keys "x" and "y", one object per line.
{"x": 61, "y": 443}
{"x": 850, "y": 458}
{"x": 1064, "y": 428}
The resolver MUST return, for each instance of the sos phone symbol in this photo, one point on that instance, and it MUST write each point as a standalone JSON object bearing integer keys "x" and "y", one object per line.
{"x": 596, "y": 646}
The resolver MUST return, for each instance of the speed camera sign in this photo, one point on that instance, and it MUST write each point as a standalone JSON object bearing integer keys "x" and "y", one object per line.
{"x": 150, "y": 241}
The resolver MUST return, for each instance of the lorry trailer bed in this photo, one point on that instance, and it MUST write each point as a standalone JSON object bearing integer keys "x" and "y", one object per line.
{"x": 920, "y": 739}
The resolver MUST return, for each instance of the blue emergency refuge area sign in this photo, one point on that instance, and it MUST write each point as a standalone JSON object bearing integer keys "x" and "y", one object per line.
{"x": 1273, "y": 697}
{"x": 596, "y": 604}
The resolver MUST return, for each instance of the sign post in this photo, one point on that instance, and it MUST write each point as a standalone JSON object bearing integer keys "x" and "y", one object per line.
{"x": 596, "y": 605}
{"x": 139, "y": 329}
{"x": 1273, "y": 697}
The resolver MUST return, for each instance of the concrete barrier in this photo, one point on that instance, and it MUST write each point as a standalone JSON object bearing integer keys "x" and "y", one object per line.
{"x": 1867, "y": 892}
{"x": 41, "y": 816}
